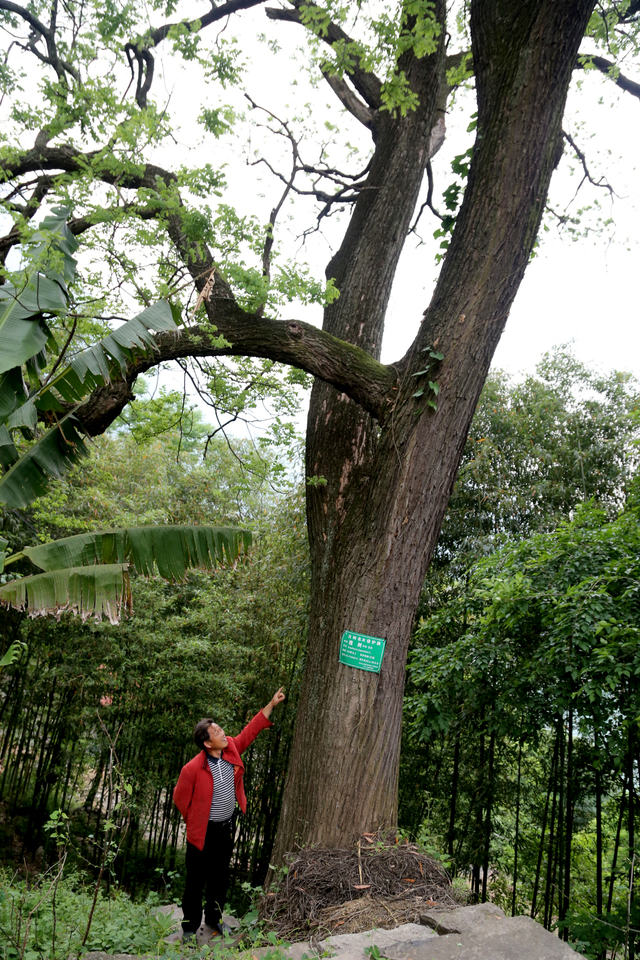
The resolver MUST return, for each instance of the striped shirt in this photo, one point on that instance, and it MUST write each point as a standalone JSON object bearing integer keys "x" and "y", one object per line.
{"x": 223, "y": 801}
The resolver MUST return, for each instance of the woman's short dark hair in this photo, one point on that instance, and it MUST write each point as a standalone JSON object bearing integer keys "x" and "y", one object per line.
{"x": 201, "y": 732}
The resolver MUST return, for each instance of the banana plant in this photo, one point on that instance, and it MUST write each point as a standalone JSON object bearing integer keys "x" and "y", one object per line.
{"x": 88, "y": 574}
{"x": 27, "y": 393}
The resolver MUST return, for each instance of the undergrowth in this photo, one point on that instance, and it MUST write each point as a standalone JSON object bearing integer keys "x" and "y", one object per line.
{"x": 39, "y": 921}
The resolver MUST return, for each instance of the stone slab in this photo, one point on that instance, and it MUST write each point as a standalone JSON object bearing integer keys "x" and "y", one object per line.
{"x": 460, "y": 919}
{"x": 511, "y": 938}
{"x": 351, "y": 946}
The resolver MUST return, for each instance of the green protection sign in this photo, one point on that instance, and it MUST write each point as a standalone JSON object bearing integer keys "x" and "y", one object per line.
{"x": 364, "y": 653}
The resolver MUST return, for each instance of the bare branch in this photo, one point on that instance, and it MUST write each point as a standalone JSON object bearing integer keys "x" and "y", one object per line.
{"x": 604, "y": 184}
{"x": 296, "y": 168}
{"x": 146, "y": 66}
{"x": 611, "y": 71}
{"x": 61, "y": 67}
{"x": 428, "y": 202}
{"x": 349, "y": 100}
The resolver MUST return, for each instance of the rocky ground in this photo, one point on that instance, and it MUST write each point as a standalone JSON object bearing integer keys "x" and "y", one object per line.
{"x": 476, "y": 932}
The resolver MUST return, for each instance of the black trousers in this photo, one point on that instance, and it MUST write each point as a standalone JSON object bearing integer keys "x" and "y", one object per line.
{"x": 208, "y": 873}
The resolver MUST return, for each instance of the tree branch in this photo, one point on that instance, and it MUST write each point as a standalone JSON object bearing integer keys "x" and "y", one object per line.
{"x": 196, "y": 257}
{"x": 366, "y": 83}
{"x": 71, "y": 160}
{"x": 212, "y": 15}
{"x": 30, "y": 18}
{"x": 346, "y": 367}
{"x": 611, "y": 71}
{"x": 629, "y": 15}
{"x": 61, "y": 67}
{"x": 349, "y": 100}
{"x": 585, "y": 169}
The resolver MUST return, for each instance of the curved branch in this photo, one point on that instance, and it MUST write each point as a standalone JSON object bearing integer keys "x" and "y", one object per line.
{"x": 48, "y": 34}
{"x": 30, "y": 18}
{"x": 213, "y": 14}
{"x": 346, "y": 367}
{"x": 71, "y": 160}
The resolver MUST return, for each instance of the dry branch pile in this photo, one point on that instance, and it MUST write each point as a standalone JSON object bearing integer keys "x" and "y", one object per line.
{"x": 377, "y": 883}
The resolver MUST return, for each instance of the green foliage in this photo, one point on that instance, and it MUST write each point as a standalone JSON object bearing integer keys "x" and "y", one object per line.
{"x": 536, "y": 449}
{"x": 210, "y": 645}
{"x": 528, "y": 642}
{"x": 58, "y": 926}
{"x": 26, "y": 338}
{"x": 89, "y": 573}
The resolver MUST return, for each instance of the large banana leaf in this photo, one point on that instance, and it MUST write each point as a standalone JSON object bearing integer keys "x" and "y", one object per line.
{"x": 172, "y": 549}
{"x": 12, "y": 391}
{"x": 41, "y": 291}
{"x": 88, "y": 591}
{"x": 50, "y": 458}
{"x": 94, "y": 367}
{"x": 8, "y": 451}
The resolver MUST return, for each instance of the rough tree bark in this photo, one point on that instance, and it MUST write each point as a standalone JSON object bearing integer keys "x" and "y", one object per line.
{"x": 374, "y": 525}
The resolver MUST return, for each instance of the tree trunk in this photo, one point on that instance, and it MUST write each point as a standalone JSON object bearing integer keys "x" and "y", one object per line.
{"x": 373, "y": 525}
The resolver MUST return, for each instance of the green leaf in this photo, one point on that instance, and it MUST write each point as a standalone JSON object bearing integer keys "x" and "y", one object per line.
{"x": 8, "y": 452}
{"x": 420, "y": 373}
{"x": 13, "y": 653}
{"x": 50, "y": 458}
{"x": 12, "y": 392}
{"x": 23, "y": 329}
{"x": 24, "y": 418}
{"x": 88, "y": 591}
{"x": 418, "y": 393}
{"x": 172, "y": 549}
{"x": 433, "y": 385}
{"x": 95, "y": 366}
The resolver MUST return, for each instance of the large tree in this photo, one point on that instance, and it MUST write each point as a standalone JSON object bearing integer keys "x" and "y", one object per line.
{"x": 384, "y": 440}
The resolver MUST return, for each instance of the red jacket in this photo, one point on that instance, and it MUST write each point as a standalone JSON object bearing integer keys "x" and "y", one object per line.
{"x": 194, "y": 789}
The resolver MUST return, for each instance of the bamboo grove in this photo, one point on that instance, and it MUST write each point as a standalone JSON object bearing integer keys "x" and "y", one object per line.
{"x": 97, "y": 720}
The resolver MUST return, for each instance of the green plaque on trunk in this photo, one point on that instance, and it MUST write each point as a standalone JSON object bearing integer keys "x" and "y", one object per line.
{"x": 365, "y": 653}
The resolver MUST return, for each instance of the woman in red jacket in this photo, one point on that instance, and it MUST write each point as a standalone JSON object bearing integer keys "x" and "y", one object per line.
{"x": 206, "y": 794}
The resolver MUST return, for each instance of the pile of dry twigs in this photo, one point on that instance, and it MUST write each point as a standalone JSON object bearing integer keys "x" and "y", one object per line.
{"x": 379, "y": 882}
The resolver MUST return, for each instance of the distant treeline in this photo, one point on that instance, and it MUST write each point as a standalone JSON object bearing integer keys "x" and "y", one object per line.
{"x": 521, "y": 740}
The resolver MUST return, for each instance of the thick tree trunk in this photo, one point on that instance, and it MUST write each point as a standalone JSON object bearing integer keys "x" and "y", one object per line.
{"x": 374, "y": 524}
